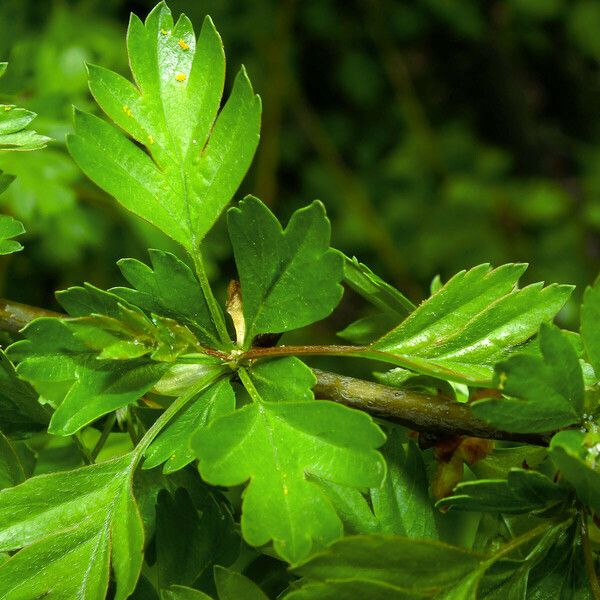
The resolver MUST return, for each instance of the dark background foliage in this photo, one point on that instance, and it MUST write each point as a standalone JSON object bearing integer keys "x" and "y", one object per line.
{"x": 439, "y": 134}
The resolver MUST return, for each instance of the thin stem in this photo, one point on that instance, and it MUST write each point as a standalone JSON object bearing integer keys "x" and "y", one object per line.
{"x": 85, "y": 453}
{"x": 106, "y": 430}
{"x": 588, "y": 558}
{"x": 254, "y": 353}
{"x": 249, "y": 385}
{"x": 213, "y": 306}
{"x": 173, "y": 409}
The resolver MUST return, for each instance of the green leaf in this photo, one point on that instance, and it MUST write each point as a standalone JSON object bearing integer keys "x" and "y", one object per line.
{"x": 12, "y": 471}
{"x": 13, "y": 132}
{"x": 51, "y": 354}
{"x": 178, "y": 592}
{"x": 72, "y": 526}
{"x": 169, "y": 289}
{"x": 524, "y": 491}
{"x": 351, "y": 506}
{"x": 472, "y": 322}
{"x": 377, "y": 564}
{"x": 590, "y": 325}
{"x": 374, "y": 289}
{"x": 402, "y": 504}
{"x": 276, "y": 446}
{"x": 172, "y": 446}
{"x": 10, "y": 228}
{"x": 280, "y": 378}
{"x": 189, "y": 541}
{"x": 546, "y": 393}
{"x": 197, "y": 157}
{"x": 368, "y": 329}
{"x": 234, "y": 586}
{"x": 576, "y": 456}
{"x": 289, "y": 278}
{"x": 21, "y": 414}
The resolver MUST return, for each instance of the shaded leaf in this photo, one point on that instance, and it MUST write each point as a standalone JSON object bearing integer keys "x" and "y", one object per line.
{"x": 590, "y": 325}
{"x": 233, "y": 586}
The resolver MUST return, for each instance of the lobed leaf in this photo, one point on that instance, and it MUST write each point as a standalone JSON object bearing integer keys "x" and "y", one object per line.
{"x": 72, "y": 526}
{"x": 10, "y": 228}
{"x": 475, "y": 320}
{"x": 196, "y": 156}
{"x": 289, "y": 277}
{"x": 545, "y": 393}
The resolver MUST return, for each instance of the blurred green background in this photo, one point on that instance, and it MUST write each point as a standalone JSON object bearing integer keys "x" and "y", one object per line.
{"x": 439, "y": 133}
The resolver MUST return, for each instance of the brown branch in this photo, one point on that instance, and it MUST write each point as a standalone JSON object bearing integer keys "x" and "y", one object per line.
{"x": 436, "y": 415}
{"x": 422, "y": 412}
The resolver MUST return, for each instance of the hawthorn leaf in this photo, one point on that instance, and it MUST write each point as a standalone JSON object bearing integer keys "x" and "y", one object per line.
{"x": 379, "y": 564}
{"x": 277, "y": 446}
{"x": 52, "y": 354}
{"x": 5, "y": 180}
{"x": 233, "y": 586}
{"x": 402, "y": 504}
{"x": 368, "y": 329}
{"x": 351, "y": 506}
{"x": 475, "y": 320}
{"x": 10, "y": 228}
{"x": 169, "y": 288}
{"x": 21, "y": 414}
{"x": 196, "y": 156}
{"x": 72, "y": 526}
{"x": 13, "y": 132}
{"x": 546, "y": 392}
{"x": 289, "y": 277}
{"x": 286, "y": 377}
{"x": 590, "y": 325}
{"x": 12, "y": 471}
{"x": 524, "y": 491}
{"x": 172, "y": 446}
{"x": 575, "y": 454}
{"x": 179, "y": 592}
{"x": 191, "y": 538}
{"x": 374, "y": 289}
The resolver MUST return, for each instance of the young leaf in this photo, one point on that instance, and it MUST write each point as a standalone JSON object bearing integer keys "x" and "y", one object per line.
{"x": 471, "y": 323}
{"x": 289, "y": 278}
{"x": 234, "y": 586}
{"x": 546, "y": 392}
{"x": 12, "y": 471}
{"x": 522, "y": 492}
{"x": 378, "y": 565}
{"x": 51, "y": 354}
{"x": 590, "y": 325}
{"x": 10, "y": 228}
{"x": 172, "y": 446}
{"x": 73, "y": 525}
{"x": 276, "y": 446}
{"x": 577, "y": 460}
{"x": 13, "y": 132}
{"x": 197, "y": 157}
{"x": 402, "y": 504}
{"x": 169, "y": 289}
{"x": 280, "y": 378}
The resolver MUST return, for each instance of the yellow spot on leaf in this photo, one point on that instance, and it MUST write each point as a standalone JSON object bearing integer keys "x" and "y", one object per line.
{"x": 181, "y": 77}
{"x": 165, "y": 32}
{"x": 127, "y": 111}
{"x": 7, "y": 108}
{"x": 183, "y": 45}
{"x": 285, "y": 490}
{"x": 150, "y": 139}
